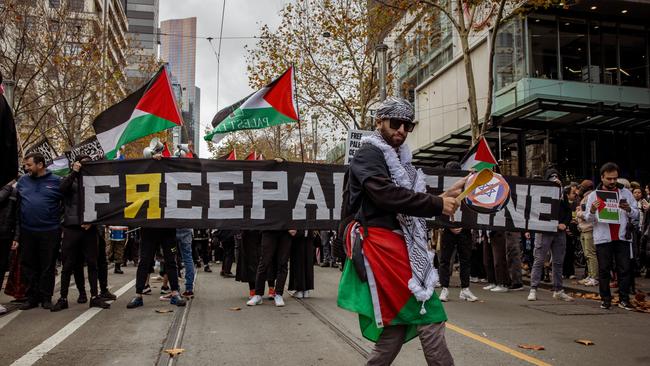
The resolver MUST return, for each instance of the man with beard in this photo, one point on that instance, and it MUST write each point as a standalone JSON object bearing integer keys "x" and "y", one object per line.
{"x": 39, "y": 198}
{"x": 390, "y": 283}
{"x": 613, "y": 241}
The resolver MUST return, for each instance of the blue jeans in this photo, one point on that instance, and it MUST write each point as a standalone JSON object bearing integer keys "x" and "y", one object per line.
{"x": 184, "y": 240}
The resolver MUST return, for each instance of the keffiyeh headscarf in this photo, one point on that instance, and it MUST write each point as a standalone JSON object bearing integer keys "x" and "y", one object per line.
{"x": 397, "y": 108}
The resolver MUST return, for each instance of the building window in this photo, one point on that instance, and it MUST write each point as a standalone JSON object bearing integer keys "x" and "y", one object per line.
{"x": 632, "y": 43}
{"x": 509, "y": 54}
{"x": 543, "y": 48}
{"x": 573, "y": 50}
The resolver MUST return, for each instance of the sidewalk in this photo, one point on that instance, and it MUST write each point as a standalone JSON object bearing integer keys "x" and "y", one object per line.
{"x": 642, "y": 284}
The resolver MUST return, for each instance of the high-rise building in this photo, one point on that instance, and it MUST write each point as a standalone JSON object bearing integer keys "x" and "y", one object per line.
{"x": 196, "y": 117}
{"x": 143, "y": 40}
{"x": 178, "y": 49}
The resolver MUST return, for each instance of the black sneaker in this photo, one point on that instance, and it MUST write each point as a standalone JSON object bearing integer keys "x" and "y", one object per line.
{"x": 61, "y": 304}
{"x": 207, "y": 269}
{"x": 325, "y": 264}
{"x": 107, "y": 295}
{"x": 83, "y": 298}
{"x": 28, "y": 305}
{"x": 135, "y": 302}
{"x": 625, "y": 305}
{"x": 146, "y": 290}
{"x": 605, "y": 305}
{"x": 118, "y": 270}
{"x": 517, "y": 287}
{"x": 47, "y": 304}
{"x": 164, "y": 290}
{"x": 98, "y": 302}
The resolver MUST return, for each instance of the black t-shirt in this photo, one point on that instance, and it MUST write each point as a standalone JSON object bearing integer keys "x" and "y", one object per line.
{"x": 377, "y": 200}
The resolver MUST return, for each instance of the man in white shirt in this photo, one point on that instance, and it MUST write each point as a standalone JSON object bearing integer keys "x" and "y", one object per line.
{"x": 612, "y": 240}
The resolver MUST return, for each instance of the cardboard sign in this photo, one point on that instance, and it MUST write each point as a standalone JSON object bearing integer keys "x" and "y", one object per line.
{"x": 353, "y": 143}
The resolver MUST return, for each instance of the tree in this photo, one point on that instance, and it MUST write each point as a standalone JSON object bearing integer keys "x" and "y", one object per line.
{"x": 53, "y": 53}
{"x": 469, "y": 18}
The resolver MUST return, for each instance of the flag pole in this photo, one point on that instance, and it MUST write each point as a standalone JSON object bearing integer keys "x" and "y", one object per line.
{"x": 293, "y": 77}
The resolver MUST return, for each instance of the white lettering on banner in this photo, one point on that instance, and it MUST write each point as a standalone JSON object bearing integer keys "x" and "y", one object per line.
{"x": 518, "y": 213}
{"x": 92, "y": 198}
{"x": 174, "y": 194}
{"x": 431, "y": 180}
{"x": 338, "y": 195}
{"x": 260, "y": 194}
{"x": 538, "y": 208}
{"x": 217, "y": 195}
{"x": 310, "y": 183}
{"x": 447, "y": 182}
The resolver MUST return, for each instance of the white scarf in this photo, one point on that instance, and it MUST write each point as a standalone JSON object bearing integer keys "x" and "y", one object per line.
{"x": 404, "y": 174}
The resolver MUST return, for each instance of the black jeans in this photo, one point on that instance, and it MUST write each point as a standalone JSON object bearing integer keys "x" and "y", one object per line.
{"x": 38, "y": 258}
{"x": 228, "y": 256}
{"x": 275, "y": 244}
{"x": 151, "y": 239}
{"x": 462, "y": 243}
{"x": 494, "y": 259}
{"x": 619, "y": 251}
{"x": 203, "y": 248}
{"x": 102, "y": 263}
{"x": 5, "y": 252}
{"x": 79, "y": 245}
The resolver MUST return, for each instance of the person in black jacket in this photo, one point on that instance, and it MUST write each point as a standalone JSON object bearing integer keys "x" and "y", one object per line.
{"x": 77, "y": 238}
{"x": 7, "y": 225}
{"x": 556, "y": 243}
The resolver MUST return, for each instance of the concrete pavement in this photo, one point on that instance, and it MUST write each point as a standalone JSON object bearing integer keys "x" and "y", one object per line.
{"x": 315, "y": 332}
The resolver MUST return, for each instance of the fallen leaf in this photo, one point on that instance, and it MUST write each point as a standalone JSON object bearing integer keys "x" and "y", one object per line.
{"x": 639, "y": 297}
{"x": 163, "y": 311}
{"x": 586, "y": 342}
{"x": 175, "y": 351}
{"x": 534, "y": 347}
{"x": 234, "y": 309}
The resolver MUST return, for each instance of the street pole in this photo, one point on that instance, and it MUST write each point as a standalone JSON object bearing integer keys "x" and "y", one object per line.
{"x": 314, "y": 131}
{"x": 380, "y": 50}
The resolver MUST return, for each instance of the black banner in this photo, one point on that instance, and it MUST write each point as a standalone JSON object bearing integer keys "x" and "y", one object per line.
{"x": 266, "y": 195}
{"x": 89, "y": 146}
{"x": 44, "y": 147}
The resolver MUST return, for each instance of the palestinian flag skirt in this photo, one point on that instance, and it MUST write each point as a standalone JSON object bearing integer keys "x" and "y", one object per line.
{"x": 384, "y": 299}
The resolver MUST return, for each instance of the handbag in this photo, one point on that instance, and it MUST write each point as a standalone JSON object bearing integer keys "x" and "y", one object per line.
{"x": 15, "y": 288}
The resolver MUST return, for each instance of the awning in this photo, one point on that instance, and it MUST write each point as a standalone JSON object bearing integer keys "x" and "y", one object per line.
{"x": 548, "y": 113}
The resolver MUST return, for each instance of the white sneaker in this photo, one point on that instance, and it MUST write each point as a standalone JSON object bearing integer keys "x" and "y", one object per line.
{"x": 499, "y": 288}
{"x": 584, "y": 280}
{"x": 437, "y": 284}
{"x": 591, "y": 282}
{"x": 3, "y": 310}
{"x": 482, "y": 280}
{"x": 279, "y": 301}
{"x": 560, "y": 295}
{"x": 466, "y": 294}
{"x": 255, "y": 300}
{"x": 298, "y": 294}
{"x": 444, "y": 294}
{"x": 532, "y": 295}
{"x": 489, "y": 286}
{"x": 306, "y": 294}
{"x": 473, "y": 279}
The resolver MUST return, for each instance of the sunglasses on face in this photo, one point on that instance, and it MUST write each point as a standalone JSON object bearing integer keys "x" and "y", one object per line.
{"x": 395, "y": 124}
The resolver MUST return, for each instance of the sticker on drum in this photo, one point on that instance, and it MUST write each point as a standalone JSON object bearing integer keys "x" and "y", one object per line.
{"x": 488, "y": 198}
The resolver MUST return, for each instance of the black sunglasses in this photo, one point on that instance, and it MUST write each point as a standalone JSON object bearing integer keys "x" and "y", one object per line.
{"x": 395, "y": 124}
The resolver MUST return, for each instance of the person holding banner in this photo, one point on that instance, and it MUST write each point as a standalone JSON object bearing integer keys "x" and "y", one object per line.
{"x": 609, "y": 208}
{"x": 553, "y": 242}
{"x": 7, "y": 228}
{"x": 389, "y": 277}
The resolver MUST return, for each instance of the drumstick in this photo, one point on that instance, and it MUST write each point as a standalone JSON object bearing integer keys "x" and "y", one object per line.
{"x": 483, "y": 177}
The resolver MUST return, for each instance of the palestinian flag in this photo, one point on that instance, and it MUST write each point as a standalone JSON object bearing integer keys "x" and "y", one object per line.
{"x": 275, "y": 104}
{"x": 150, "y": 109}
{"x": 60, "y": 166}
{"x": 383, "y": 297}
{"x": 479, "y": 157}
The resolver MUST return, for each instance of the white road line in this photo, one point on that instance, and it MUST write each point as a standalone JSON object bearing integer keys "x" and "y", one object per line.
{"x": 8, "y": 318}
{"x": 42, "y": 349}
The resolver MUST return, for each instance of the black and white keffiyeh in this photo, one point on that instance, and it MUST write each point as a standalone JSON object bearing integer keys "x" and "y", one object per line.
{"x": 404, "y": 174}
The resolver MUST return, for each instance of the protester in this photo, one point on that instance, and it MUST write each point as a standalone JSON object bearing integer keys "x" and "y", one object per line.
{"x": 248, "y": 256}
{"x": 102, "y": 265}
{"x": 8, "y": 231}
{"x": 201, "y": 244}
{"x": 301, "y": 269}
{"x": 495, "y": 260}
{"x": 276, "y": 245}
{"x": 227, "y": 242}
{"x": 79, "y": 241}
{"x": 572, "y": 233}
{"x": 326, "y": 238}
{"x": 613, "y": 241}
{"x": 118, "y": 241}
{"x": 513, "y": 258}
{"x": 586, "y": 229}
{"x": 152, "y": 239}
{"x": 390, "y": 216}
{"x": 554, "y": 243}
{"x": 477, "y": 270}
{"x": 184, "y": 242}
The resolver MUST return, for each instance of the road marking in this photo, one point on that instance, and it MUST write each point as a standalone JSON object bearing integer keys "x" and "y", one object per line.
{"x": 498, "y": 346}
{"x": 8, "y": 318}
{"x": 42, "y": 349}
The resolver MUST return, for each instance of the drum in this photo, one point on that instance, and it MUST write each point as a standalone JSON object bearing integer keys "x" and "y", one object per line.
{"x": 488, "y": 198}
{"x": 118, "y": 232}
